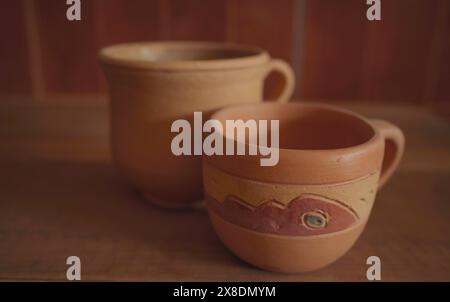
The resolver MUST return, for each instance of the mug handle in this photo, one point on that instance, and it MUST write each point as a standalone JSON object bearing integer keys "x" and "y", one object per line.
{"x": 278, "y": 65}
{"x": 393, "y": 149}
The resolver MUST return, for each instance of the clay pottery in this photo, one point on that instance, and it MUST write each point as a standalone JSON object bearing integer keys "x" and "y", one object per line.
{"x": 309, "y": 209}
{"x": 153, "y": 84}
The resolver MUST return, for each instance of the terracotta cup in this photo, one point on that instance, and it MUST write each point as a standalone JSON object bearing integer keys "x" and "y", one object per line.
{"x": 153, "y": 84}
{"x": 309, "y": 209}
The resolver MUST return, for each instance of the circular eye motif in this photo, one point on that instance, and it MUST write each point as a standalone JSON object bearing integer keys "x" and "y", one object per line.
{"x": 315, "y": 220}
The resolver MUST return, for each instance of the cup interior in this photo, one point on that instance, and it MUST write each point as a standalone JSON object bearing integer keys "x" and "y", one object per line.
{"x": 305, "y": 126}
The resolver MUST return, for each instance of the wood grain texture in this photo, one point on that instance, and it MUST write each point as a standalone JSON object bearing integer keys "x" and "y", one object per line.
{"x": 266, "y": 24}
{"x": 197, "y": 20}
{"x": 336, "y": 51}
{"x": 443, "y": 87}
{"x": 61, "y": 196}
{"x": 396, "y": 51}
{"x": 14, "y": 62}
{"x": 347, "y": 56}
{"x": 116, "y": 21}
{"x": 333, "y": 49}
{"x": 120, "y": 21}
{"x": 68, "y": 48}
{"x": 436, "y": 53}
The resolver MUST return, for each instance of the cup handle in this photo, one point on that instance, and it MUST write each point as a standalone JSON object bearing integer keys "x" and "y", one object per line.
{"x": 393, "y": 149}
{"x": 278, "y": 65}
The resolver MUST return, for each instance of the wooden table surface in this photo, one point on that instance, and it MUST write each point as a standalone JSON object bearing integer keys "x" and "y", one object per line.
{"x": 61, "y": 196}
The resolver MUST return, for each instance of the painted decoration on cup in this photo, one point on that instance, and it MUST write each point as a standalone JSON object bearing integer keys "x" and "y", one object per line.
{"x": 306, "y": 215}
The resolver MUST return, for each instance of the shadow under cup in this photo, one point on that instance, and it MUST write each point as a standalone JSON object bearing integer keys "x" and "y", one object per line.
{"x": 309, "y": 209}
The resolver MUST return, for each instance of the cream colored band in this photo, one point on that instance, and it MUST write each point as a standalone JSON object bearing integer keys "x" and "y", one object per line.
{"x": 359, "y": 194}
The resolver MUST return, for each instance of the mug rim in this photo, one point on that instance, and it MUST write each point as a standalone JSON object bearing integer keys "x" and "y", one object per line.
{"x": 307, "y": 166}
{"x": 254, "y": 56}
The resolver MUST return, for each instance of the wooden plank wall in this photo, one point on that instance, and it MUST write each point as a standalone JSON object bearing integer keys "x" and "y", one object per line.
{"x": 335, "y": 52}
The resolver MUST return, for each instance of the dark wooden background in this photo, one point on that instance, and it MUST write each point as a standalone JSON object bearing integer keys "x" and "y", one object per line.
{"x": 335, "y": 51}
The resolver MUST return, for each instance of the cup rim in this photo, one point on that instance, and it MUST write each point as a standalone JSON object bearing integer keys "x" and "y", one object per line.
{"x": 307, "y": 166}
{"x": 254, "y": 56}
{"x": 367, "y": 143}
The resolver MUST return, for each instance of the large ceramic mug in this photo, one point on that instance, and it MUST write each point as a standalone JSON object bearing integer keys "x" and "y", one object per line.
{"x": 309, "y": 209}
{"x": 153, "y": 84}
